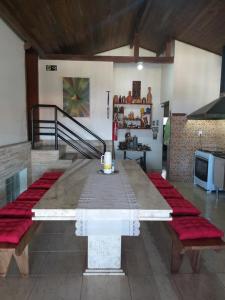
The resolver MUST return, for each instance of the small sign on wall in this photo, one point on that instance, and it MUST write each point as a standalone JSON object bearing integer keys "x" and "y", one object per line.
{"x": 51, "y": 67}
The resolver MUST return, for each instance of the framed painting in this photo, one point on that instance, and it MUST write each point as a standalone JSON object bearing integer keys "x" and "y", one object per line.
{"x": 76, "y": 93}
{"x": 136, "y": 89}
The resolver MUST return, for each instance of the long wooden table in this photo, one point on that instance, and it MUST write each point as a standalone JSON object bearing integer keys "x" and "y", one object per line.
{"x": 75, "y": 196}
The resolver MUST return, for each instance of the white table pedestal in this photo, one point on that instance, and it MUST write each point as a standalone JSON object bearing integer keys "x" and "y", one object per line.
{"x": 104, "y": 255}
{"x": 104, "y": 243}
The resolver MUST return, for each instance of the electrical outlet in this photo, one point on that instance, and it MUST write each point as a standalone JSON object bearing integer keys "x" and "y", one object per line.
{"x": 200, "y": 133}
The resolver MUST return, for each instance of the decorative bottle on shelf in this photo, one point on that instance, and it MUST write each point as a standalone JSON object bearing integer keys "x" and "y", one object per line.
{"x": 115, "y": 99}
{"x": 129, "y": 98}
{"x": 149, "y": 95}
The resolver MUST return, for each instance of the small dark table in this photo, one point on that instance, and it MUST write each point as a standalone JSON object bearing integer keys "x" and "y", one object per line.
{"x": 141, "y": 158}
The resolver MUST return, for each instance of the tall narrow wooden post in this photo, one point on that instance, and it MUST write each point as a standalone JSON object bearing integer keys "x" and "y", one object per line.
{"x": 31, "y": 62}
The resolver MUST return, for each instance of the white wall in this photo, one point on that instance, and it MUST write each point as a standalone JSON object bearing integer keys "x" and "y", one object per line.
{"x": 12, "y": 88}
{"x": 101, "y": 80}
{"x": 105, "y": 76}
{"x": 196, "y": 78}
{"x": 167, "y": 83}
{"x": 124, "y": 74}
{"x": 127, "y": 51}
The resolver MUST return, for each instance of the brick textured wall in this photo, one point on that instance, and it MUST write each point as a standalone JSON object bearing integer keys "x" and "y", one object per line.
{"x": 185, "y": 140}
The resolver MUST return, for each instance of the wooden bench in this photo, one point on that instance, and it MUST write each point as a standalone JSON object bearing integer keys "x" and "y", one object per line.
{"x": 18, "y": 251}
{"x": 193, "y": 248}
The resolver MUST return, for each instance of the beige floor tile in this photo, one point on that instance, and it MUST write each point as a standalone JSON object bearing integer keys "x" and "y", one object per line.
{"x": 166, "y": 287}
{"x": 57, "y": 287}
{"x": 105, "y": 288}
{"x": 16, "y": 288}
{"x": 64, "y": 263}
{"x": 200, "y": 286}
{"x": 137, "y": 263}
{"x": 144, "y": 288}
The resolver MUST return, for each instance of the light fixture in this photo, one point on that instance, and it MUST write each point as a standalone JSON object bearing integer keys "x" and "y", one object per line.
{"x": 140, "y": 65}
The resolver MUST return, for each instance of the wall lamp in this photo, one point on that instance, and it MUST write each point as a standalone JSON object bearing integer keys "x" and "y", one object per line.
{"x": 140, "y": 65}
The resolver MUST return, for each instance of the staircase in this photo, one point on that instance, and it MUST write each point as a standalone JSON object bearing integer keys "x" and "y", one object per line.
{"x": 57, "y": 126}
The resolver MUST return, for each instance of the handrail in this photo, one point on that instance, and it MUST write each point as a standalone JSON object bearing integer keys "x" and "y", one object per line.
{"x": 72, "y": 119}
{"x": 79, "y": 138}
{"x": 71, "y": 143}
{"x": 56, "y": 122}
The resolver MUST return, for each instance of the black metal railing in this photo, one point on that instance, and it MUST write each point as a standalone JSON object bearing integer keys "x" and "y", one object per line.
{"x": 60, "y": 131}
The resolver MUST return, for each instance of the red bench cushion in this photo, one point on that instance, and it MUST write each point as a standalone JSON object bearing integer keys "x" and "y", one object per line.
{"x": 42, "y": 184}
{"x": 161, "y": 183}
{"x": 18, "y": 209}
{"x": 181, "y": 206}
{"x": 11, "y": 230}
{"x": 169, "y": 193}
{"x": 51, "y": 175}
{"x": 31, "y": 195}
{"x": 154, "y": 175}
{"x": 189, "y": 228}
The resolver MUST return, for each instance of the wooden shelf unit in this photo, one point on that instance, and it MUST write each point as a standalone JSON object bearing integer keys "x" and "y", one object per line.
{"x": 136, "y": 119}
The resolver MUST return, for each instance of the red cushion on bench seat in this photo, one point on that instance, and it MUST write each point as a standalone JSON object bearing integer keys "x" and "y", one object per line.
{"x": 154, "y": 175}
{"x": 54, "y": 175}
{"x": 190, "y": 228}
{"x": 42, "y": 184}
{"x": 11, "y": 230}
{"x": 162, "y": 183}
{"x": 169, "y": 193}
{"x": 181, "y": 206}
{"x": 31, "y": 195}
{"x": 18, "y": 209}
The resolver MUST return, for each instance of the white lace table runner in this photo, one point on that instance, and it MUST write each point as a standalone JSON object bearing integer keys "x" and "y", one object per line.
{"x": 108, "y": 192}
{"x": 107, "y": 206}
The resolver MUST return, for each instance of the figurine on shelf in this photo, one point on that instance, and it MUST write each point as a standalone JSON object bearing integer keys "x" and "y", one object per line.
{"x": 149, "y": 95}
{"x": 129, "y": 98}
{"x": 115, "y": 99}
{"x": 143, "y": 100}
{"x": 139, "y": 101}
{"x": 142, "y": 111}
{"x": 131, "y": 116}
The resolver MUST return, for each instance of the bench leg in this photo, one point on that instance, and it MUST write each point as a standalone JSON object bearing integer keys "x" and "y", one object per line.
{"x": 176, "y": 258}
{"x": 23, "y": 262}
{"x": 195, "y": 260}
{"x": 5, "y": 258}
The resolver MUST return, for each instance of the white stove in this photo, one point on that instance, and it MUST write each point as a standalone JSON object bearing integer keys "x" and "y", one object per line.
{"x": 204, "y": 168}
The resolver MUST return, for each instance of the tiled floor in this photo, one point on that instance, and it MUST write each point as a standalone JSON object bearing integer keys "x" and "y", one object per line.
{"x": 57, "y": 259}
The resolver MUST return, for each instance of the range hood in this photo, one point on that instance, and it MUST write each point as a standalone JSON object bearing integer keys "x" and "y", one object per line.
{"x": 215, "y": 110}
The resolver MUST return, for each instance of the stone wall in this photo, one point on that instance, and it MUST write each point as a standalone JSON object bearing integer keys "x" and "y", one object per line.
{"x": 13, "y": 159}
{"x": 185, "y": 140}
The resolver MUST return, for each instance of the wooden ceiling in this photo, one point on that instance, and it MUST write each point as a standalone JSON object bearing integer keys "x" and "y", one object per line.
{"x": 92, "y": 26}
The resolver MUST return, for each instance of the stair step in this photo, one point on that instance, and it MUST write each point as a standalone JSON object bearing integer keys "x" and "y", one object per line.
{"x": 69, "y": 156}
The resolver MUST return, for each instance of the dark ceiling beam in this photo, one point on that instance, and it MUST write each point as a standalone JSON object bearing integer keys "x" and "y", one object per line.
{"x": 115, "y": 59}
{"x": 136, "y": 45}
{"x": 140, "y": 20}
{"x": 11, "y": 21}
{"x": 167, "y": 49}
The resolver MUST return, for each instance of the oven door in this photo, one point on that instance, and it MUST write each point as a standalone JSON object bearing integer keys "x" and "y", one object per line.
{"x": 201, "y": 168}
